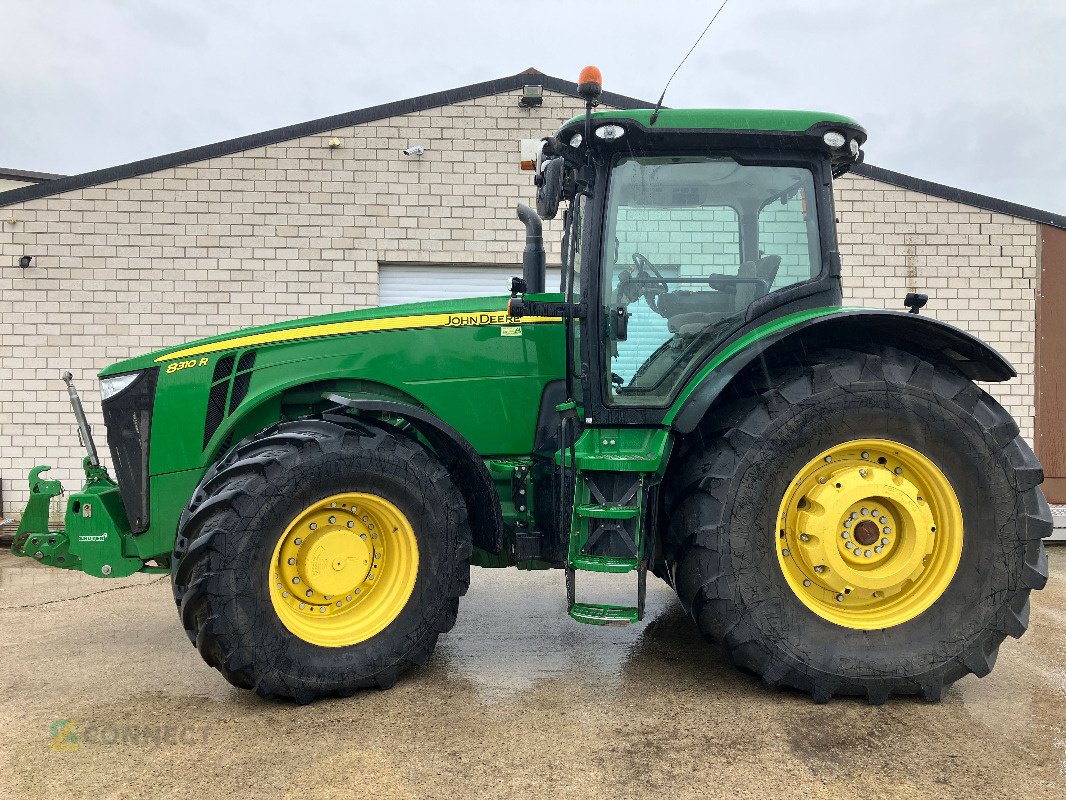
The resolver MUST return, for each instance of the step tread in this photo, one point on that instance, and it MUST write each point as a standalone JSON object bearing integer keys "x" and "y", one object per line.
{"x": 602, "y": 614}
{"x": 601, "y": 511}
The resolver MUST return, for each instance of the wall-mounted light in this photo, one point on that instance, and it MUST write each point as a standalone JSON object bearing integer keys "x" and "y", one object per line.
{"x": 334, "y": 143}
{"x": 414, "y": 150}
{"x": 532, "y": 96}
{"x": 24, "y": 262}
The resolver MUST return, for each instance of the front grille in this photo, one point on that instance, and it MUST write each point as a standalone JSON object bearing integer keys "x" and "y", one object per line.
{"x": 128, "y": 417}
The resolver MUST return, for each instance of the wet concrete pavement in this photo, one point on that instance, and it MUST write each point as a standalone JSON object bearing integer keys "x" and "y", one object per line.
{"x": 102, "y": 696}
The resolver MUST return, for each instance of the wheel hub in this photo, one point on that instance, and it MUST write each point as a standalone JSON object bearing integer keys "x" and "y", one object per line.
{"x": 336, "y": 562}
{"x": 343, "y": 569}
{"x": 857, "y": 533}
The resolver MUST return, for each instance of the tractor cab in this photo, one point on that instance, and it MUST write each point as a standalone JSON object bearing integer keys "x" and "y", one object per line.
{"x": 684, "y": 230}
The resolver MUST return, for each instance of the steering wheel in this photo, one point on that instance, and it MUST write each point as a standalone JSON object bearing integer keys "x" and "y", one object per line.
{"x": 642, "y": 265}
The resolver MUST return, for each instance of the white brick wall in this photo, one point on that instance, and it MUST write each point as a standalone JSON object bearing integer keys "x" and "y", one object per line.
{"x": 296, "y": 228}
{"x": 979, "y": 269}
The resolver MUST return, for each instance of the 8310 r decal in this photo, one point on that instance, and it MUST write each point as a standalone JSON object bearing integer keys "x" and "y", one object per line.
{"x": 179, "y": 365}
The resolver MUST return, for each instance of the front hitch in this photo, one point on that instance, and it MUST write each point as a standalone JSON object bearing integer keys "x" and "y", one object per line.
{"x": 95, "y": 527}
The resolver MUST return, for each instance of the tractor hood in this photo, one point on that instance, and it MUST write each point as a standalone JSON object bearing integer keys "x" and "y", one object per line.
{"x": 434, "y": 314}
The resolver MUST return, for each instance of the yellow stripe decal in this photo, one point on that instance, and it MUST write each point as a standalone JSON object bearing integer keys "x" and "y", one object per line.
{"x": 463, "y": 320}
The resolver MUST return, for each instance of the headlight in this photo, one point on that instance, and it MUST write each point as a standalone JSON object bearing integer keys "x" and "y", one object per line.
{"x": 610, "y": 132}
{"x": 835, "y": 139}
{"x": 113, "y": 384}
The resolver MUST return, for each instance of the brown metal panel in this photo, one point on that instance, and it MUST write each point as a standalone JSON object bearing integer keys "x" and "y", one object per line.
{"x": 1051, "y": 362}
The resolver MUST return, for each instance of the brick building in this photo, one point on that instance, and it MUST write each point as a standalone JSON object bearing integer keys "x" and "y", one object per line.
{"x": 330, "y": 214}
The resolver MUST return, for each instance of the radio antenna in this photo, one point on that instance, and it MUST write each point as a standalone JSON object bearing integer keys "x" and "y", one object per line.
{"x": 659, "y": 105}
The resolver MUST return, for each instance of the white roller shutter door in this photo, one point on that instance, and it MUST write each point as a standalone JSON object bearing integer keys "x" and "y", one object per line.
{"x": 415, "y": 283}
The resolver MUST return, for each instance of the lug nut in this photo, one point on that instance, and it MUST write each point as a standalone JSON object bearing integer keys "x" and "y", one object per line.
{"x": 867, "y": 554}
{"x": 785, "y": 553}
{"x": 847, "y": 523}
{"x": 309, "y": 593}
{"x": 292, "y": 561}
{"x": 358, "y": 591}
{"x": 840, "y": 598}
{"x": 314, "y": 526}
{"x": 865, "y": 511}
{"x": 302, "y": 606}
{"x": 884, "y": 541}
{"x": 332, "y": 520}
{"x": 284, "y": 594}
{"x": 875, "y": 513}
{"x": 865, "y": 454}
{"x": 806, "y": 582}
{"x": 351, "y": 524}
{"x": 819, "y": 569}
{"x": 887, "y": 529}
{"x": 845, "y": 535}
{"x": 848, "y": 545}
{"x": 878, "y": 549}
{"x": 828, "y": 459}
{"x": 898, "y": 470}
{"x": 877, "y": 594}
{"x": 804, "y": 537}
{"x": 862, "y": 473}
{"x": 296, "y": 579}
{"x": 298, "y": 542}
{"x": 883, "y": 520}
{"x": 822, "y": 479}
{"x": 362, "y": 535}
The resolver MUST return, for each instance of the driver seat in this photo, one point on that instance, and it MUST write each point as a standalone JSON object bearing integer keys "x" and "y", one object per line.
{"x": 694, "y": 322}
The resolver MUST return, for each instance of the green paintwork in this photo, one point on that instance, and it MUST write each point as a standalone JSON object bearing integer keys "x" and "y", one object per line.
{"x": 485, "y": 385}
{"x": 734, "y": 119}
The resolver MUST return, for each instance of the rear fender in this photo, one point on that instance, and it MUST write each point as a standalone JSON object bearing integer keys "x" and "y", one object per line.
{"x": 925, "y": 336}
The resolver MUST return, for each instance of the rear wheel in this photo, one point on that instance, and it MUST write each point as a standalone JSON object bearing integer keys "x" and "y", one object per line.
{"x": 320, "y": 557}
{"x": 858, "y": 523}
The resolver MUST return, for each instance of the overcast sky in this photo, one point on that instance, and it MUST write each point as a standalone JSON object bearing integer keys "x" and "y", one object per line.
{"x": 964, "y": 92}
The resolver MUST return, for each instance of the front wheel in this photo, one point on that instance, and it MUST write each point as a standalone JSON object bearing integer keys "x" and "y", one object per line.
{"x": 320, "y": 557}
{"x": 858, "y": 523}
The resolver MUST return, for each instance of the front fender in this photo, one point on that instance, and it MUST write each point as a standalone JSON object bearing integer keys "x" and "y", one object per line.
{"x": 931, "y": 338}
{"x": 467, "y": 467}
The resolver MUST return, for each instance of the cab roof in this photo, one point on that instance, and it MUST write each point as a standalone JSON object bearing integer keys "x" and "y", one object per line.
{"x": 747, "y": 119}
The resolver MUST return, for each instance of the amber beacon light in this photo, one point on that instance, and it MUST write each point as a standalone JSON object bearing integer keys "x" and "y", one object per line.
{"x": 590, "y": 83}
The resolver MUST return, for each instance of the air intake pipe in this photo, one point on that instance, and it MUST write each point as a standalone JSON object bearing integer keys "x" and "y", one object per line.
{"x": 533, "y": 256}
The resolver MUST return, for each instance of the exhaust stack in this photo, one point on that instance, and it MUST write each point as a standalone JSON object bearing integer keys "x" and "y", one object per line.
{"x": 533, "y": 260}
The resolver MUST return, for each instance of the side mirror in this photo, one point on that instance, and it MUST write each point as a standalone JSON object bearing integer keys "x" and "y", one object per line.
{"x": 549, "y": 183}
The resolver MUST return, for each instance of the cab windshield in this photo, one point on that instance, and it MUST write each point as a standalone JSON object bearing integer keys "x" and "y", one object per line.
{"x": 690, "y": 242}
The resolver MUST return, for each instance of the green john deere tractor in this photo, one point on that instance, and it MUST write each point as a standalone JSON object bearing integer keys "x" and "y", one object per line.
{"x": 836, "y": 502}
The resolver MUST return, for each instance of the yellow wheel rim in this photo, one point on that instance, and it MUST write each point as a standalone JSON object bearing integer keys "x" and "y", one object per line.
{"x": 869, "y": 534}
{"x": 344, "y": 569}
